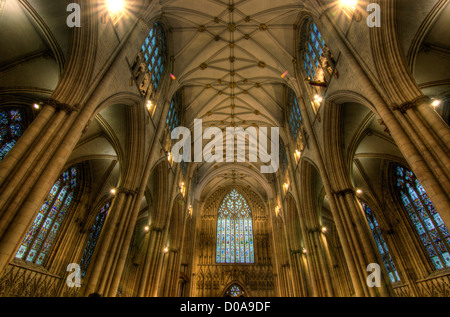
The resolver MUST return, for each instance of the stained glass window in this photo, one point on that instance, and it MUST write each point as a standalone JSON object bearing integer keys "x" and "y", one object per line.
{"x": 11, "y": 129}
{"x": 41, "y": 235}
{"x": 283, "y": 156}
{"x": 93, "y": 238}
{"x": 155, "y": 52}
{"x": 381, "y": 244}
{"x": 294, "y": 115}
{"x": 312, "y": 48}
{"x": 234, "y": 230}
{"x": 429, "y": 225}
{"x": 174, "y": 116}
{"x": 234, "y": 291}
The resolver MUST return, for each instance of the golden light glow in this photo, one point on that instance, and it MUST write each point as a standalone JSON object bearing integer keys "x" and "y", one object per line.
{"x": 349, "y": 3}
{"x": 436, "y": 103}
{"x": 115, "y": 6}
{"x": 318, "y": 98}
{"x": 359, "y": 191}
{"x": 113, "y": 191}
{"x": 324, "y": 229}
{"x": 304, "y": 251}
{"x": 166, "y": 250}
{"x": 149, "y": 105}
{"x": 147, "y": 228}
{"x": 286, "y": 186}
{"x": 36, "y": 106}
{"x": 277, "y": 210}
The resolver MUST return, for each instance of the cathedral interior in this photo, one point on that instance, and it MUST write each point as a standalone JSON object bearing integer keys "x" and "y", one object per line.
{"x": 94, "y": 201}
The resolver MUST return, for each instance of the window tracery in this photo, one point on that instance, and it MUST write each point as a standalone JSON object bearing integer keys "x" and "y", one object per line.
{"x": 234, "y": 230}
{"x": 40, "y": 237}
{"x": 429, "y": 225}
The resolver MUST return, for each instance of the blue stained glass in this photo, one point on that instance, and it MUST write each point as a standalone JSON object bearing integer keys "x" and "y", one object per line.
{"x": 93, "y": 238}
{"x": 295, "y": 118}
{"x": 238, "y": 231}
{"x": 428, "y": 223}
{"x": 381, "y": 244}
{"x": 11, "y": 129}
{"x": 48, "y": 221}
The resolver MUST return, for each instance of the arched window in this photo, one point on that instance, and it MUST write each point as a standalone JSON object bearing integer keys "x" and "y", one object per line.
{"x": 283, "y": 156}
{"x": 234, "y": 230}
{"x": 174, "y": 116}
{"x": 155, "y": 53}
{"x": 12, "y": 126}
{"x": 428, "y": 223}
{"x": 294, "y": 115}
{"x": 381, "y": 244}
{"x": 93, "y": 238}
{"x": 234, "y": 291}
{"x": 40, "y": 237}
{"x": 312, "y": 48}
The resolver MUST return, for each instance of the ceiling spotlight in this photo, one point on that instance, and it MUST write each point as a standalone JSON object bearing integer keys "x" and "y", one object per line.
{"x": 436, "y": 103}
{"x": 115, "y": 6}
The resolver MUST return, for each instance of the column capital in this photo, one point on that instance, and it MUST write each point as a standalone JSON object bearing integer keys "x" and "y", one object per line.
{"x": 127, "y": 191}
{"x": 61, "y": 106}
{"x": 404, "y": 107}
{"x": 345, "y": 192}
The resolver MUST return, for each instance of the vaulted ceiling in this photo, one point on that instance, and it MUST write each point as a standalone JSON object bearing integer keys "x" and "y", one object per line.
{"x": 34, "y": 46}
{"x": 230, "y": 57}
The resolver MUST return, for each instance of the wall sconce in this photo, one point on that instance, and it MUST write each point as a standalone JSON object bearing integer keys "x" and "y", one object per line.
{"x": 277, "y": 210}
{"x": 286, "y": 187}
{"x": 113, "y": 191}
{"x": 304, "y": 251}
{"x": 182, "y": 188}
{"x": 324, "y": 229}
{"x": 435, "y": 103}
{"x": 318, "y": 98}
{"x": 190, "y": 209}
{"x": 146, "y": 228}
{"x": 166, "y": 249}
{"x": 359, "y": 191}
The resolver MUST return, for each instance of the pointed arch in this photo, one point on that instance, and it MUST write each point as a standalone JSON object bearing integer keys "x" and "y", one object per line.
{"x": 40, "y": 237}
{"x": 424, "y": 217}
{"x": 234, "y": 230}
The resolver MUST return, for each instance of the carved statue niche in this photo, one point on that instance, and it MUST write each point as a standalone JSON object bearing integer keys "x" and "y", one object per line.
{"x": 144, "y": 84}
{"x": 137, "y": 63}
{"x": 329, "y": 61}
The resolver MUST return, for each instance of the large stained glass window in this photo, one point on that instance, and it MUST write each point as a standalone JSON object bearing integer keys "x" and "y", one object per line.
{"x": 381, "y": 244}
{"x": 93, "y": 238}
{"x": 11, "y": 129}
{"x": 174, "y": 116}
{"x": 155, "y": 53}
{"x": 428, "y": 223}
{"x": 313, "y": 48}
{"x": 234, "y": 230}
{"x": 294, "y": 115}
{"x": 40, "y": 237}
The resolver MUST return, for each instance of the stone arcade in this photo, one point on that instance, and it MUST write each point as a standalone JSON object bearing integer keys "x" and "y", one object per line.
{"x": 91, "y": 194}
